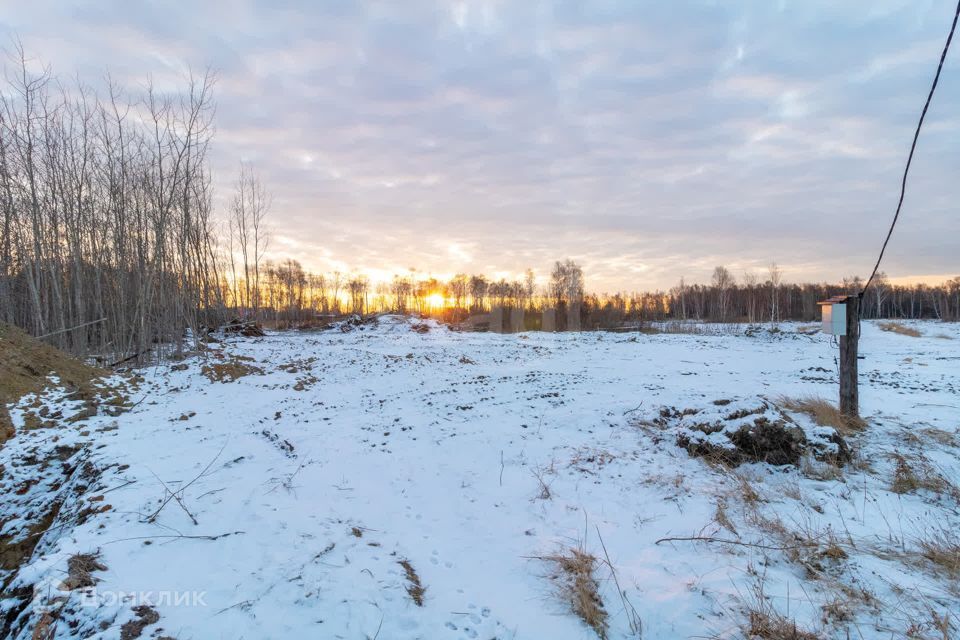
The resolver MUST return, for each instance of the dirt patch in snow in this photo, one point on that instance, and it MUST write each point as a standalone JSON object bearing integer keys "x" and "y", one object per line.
{"x": 146, "y": 616}
{"x": 231, "y": 369}
{"x": 25, "y": 365}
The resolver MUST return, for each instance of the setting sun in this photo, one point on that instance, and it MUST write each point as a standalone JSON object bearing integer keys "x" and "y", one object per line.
{"x": 436, "y": 301}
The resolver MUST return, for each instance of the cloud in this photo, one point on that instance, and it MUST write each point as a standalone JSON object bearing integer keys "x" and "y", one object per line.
{"x": 651, "y": 141}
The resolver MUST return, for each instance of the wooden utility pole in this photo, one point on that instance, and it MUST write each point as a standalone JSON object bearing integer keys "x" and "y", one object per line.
{"x": 841, "y": 317}
{"x": 849, "y": 393}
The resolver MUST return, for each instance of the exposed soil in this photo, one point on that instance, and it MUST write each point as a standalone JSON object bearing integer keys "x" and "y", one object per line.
{"x": 26, "y": 363}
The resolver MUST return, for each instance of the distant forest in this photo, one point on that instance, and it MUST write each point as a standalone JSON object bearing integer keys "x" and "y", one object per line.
{"x": 291, "y": 296}
{"x": 110, "y": 245}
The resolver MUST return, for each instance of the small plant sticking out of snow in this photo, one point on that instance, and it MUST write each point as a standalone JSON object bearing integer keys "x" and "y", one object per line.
{"x": 902, "y": 329}
{"x": 721, "y": 517}
{"x": 543, "y": 487}
{"x": 574, "y": 574}
{"x": 770, "y": 625}
{"x": 942, "y": 548}
{"x": 823, "y": 412}
{"x": 765, "y": 622}
{"x": 414, "y": 587}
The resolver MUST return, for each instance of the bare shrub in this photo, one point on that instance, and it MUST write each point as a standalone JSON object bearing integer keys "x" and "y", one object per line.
{"x": 544, "y": 492}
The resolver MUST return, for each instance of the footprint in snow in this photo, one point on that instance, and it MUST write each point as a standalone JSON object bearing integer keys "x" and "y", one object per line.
{"x": 435, "y": 559}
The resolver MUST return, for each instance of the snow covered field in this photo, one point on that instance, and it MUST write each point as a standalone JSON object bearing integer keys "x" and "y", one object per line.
{"x": 310, "y": 495}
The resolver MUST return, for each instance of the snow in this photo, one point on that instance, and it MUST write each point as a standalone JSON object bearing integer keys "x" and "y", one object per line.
{"x": 432, "y": 446}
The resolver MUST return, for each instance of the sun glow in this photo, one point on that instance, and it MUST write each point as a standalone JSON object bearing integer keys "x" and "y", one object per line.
{"x": 436, "y": 301}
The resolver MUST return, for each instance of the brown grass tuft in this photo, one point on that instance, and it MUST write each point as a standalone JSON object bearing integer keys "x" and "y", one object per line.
{"x": 823, "y": 412}
{"x": 940, "y": 436}
{"x": 920, "y": 475}
{"x": 902, "y": 329}
{"x": 722, "y": 518}
{"x": 766, "y": 624}
{"x": 837, "y": 610}
{"x": 415, "y": 588}
{"x": 942, "y": 548}
{"x": 579, "y": 587}
{"x": 80, "y": 568}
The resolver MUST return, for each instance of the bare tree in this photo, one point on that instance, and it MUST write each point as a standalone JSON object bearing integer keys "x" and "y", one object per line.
{"x": 251, "y": 202}
{"x": 722, "y": 280}
{"x": 775, "y": 276}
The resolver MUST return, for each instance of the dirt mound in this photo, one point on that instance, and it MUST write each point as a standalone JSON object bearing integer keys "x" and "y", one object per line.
{"x": 25, "y": 364}
{"x": 247, "y": 329}
{"x": 749, "y": 433}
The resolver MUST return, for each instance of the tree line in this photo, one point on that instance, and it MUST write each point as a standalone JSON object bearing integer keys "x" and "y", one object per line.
{"x": 293, "y": 296}
{"x": 110, "y": 245}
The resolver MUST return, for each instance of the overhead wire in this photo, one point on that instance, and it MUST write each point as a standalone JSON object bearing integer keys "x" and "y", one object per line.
{"x": 913, "y": 146}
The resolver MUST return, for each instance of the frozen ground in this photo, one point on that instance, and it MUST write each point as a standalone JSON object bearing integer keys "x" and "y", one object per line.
{"x": 300, "y": 487}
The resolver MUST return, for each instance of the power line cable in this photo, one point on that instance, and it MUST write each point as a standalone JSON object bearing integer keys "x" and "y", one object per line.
{"x": 916, "y": 135}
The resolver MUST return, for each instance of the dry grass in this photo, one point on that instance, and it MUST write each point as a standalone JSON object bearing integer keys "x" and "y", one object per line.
{"x": 920, "y": 475}
{"x": 579, "y": 587}
{"x": 902, "y": 329}
{"x": 837, "y": 610}
{"x": 770, "y": 625}
{"x": 415, "y": 588}
{"x": 543, "y": 492}
{"x": 940, "y": 436}
{"x": 823, "y": 470}
{"x": 765, "y": 622}
{"x": 942, "y": 548}
{"x": 80, "y": 568}
{"x": 746, "y": 492}
{"x": 722, "y": 518}
{"x": 823, "y": 412}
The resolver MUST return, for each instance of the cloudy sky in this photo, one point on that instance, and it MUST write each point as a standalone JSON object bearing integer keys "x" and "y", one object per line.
{"x": 647, "y": 140}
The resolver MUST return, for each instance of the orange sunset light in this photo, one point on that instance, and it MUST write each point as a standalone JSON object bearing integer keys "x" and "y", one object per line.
{"x": 436, "y": 301}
